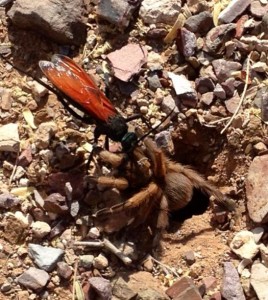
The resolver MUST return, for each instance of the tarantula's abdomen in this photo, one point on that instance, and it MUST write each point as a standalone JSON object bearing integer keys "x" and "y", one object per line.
{"x": 178, "y": 189}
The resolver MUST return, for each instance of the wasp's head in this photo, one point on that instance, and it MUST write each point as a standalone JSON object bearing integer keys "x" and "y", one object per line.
{"x": 129, "y": 140}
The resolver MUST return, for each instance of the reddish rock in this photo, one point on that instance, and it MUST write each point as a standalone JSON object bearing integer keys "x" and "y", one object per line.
{"x": 232, "y": 104}
{"x": 25, "y": 157}
{"x": 64, "y": 270}
{"x": 216, "y": 296}
{"x": 57, "y": 182}
{"x": 240, "y": 26}
{"x": 34, "y": 279}
{"x": 102, "y": 287}
{"x": 258, "y": 9}
{"x": 5, "y": 99}
{"x": 183, "y": 289}
{"x": 257, "y": 189}
{"x": 209, "y": 282}
{"x": 231, "y": 286}
{"x": 233, "y": 10}
{"x": 56, "y": 203}
{"x": 224, "y": 68}
{"x": 125, "y": 69}
{"x": 207, "y": 98}
{"x": 189, "y": 257}
{"x": 186, "y": 42}
{"x": 217, "y": 36}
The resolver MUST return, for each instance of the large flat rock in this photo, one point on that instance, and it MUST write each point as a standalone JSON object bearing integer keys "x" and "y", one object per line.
{"x": 257, "y": 189}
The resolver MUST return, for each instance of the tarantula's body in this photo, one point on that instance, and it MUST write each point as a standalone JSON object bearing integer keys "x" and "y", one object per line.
{"x": 170, "y": 188}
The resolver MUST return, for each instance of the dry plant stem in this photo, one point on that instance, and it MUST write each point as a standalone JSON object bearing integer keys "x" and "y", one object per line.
{"x": 219, "y": 121}
{"x": 14, "y": 169}
{"x": 242, "y": 97}
{"x": 179, "y": 23}
{"x": 89, "y": 244}
{"x": 109, "y": 246}
{"x": 74, "y": 278}
{"x": 163, "y": 266}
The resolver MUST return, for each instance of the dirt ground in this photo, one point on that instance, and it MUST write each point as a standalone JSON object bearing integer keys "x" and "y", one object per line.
{"x": 222, "y": 158}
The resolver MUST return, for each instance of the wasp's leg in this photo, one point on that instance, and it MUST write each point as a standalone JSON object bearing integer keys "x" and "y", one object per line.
{"x": 139, "y": 116}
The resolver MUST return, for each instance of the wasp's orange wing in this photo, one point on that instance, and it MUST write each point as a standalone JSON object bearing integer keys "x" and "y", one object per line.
{"x": 74, "y": 82}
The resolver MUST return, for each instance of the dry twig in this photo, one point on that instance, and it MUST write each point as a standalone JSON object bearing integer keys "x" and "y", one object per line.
{"x": 74, "y": 278}
{"x": 242, "y": 96}
{"x": 165, "y": 267}
{"x": 109, "y": 246}
{"x": 182, "y": 17}
{"x": 14, "y": 169}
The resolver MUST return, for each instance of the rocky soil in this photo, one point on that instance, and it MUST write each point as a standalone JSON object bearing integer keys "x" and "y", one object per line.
{"x": 208, "y": 59}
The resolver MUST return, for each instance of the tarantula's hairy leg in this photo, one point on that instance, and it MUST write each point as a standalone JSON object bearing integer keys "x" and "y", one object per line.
{"x": 156, "y": 154}
{"x": 134, "y": 211}
{"x": 135, "y": 161}
{"x": 109, "y": 182}
{"x": 141, "y": 159}
{"x": 139, "y": 199}
{"x": 162, "y": 220}
{"x": 114, "y": 159}
{"x": 158, "y": 159}
{"x": 180, "y": 180}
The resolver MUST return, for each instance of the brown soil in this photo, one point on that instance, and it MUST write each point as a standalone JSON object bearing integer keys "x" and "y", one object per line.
{"x": 221, "y": 158}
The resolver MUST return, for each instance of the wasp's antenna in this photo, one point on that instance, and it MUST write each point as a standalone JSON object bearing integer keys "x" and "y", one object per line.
{"x": 155, "y": 128}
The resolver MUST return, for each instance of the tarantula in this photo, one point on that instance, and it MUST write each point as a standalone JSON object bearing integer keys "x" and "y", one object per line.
{"x": 168, "y": 187}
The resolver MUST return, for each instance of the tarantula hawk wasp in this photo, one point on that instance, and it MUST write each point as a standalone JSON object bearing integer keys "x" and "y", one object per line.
{"x": 169, "y": 189}
{"x": 77, "y": 85}
{"x": 74, "y": 86}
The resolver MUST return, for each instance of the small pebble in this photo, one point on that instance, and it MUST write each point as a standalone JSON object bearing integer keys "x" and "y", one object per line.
{"x": 100, "y": 262}
{"x": 144, "y": 110}
{"x": 189, "y": 257}
{"x": 148, "y": 264}
{"x": 94, "y": 233}
{"x": 40, "y": 229}
{"x": 86, "y": 261}
{"x": 5, "y": 287}
{"x": 259, "y": 147}
{"x": 64, "y": 270}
